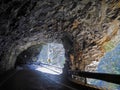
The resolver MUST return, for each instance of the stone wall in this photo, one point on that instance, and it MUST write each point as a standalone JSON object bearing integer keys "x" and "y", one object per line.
{"x": 90, "y": 23}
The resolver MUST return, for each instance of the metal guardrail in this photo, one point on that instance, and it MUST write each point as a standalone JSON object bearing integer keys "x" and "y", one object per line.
{"x": 113, "y": 78}
{"x": 51, "y": 65}
{"x": 51, "y": 69}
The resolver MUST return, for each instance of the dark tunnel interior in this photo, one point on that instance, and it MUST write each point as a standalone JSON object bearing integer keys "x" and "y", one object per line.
{"x": 59, "y": 44}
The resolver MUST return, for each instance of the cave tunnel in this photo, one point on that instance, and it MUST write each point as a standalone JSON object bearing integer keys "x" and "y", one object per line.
{"x": 43, "y": 56}
{"x": 79, "y": 39}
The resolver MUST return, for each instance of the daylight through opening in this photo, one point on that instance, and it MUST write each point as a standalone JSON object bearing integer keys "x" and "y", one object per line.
{"x": 52, "y": 58}
{"x": 47, "y": 58}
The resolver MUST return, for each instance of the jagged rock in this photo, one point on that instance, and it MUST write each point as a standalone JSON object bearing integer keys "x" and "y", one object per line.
{"x": 91, "y": 24}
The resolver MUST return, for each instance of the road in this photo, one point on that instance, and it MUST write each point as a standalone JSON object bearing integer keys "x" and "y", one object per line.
{"x": 29, "y": 79}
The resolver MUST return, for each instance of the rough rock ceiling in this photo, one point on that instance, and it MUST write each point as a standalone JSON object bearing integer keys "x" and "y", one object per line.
{"x": 90, "y": 23}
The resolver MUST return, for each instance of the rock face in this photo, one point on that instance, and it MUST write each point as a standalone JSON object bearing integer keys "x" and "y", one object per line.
{"x": 89, "y": 23}
{"x": 29, "y": 56}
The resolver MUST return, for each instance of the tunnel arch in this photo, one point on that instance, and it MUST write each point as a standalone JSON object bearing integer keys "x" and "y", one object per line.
{"x": 37, "y": 57}
{"x": 24, "y": 26}
{"x": 28, "y": 54}
{"x": 24, "y": 44}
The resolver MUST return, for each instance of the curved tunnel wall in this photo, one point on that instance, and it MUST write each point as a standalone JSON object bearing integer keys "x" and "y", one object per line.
{"x": 27, "y": 22}
{"x": 29, "y": 55}
{"x": 17, "y": 48}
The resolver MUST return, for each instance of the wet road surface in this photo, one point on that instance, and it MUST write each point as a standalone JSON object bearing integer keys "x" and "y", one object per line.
{"x": 28, "y": 79}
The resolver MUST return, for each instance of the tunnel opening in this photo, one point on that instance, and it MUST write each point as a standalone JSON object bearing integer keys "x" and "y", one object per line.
{"x": 52, "y": 56}
{"x": 47, "y": 58}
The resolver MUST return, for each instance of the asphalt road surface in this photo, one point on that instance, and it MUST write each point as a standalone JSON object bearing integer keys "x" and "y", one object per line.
{"x": 28, "y": 79}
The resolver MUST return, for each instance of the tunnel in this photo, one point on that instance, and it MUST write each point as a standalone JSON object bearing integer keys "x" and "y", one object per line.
{"x": 49, "y": 55}
{"x": 77, "y": 40}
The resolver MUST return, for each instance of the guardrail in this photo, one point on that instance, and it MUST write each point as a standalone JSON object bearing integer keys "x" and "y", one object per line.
{"x": 50, "y": 65}
{"x": 57, "y": 70}
{"x": 113, "y": 78}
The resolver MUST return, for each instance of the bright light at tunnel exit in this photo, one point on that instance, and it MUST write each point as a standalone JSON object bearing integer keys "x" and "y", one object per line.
{"x": 52, "y": 58}
{"x": 49, "y": 70}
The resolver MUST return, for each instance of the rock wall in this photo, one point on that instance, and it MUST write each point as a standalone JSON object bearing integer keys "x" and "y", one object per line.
{"x": 90, "y": 23}
{"x": 29, "y": 56}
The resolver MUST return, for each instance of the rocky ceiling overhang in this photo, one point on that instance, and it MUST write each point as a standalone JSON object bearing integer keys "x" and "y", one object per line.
{"x": 90, "y": 23}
